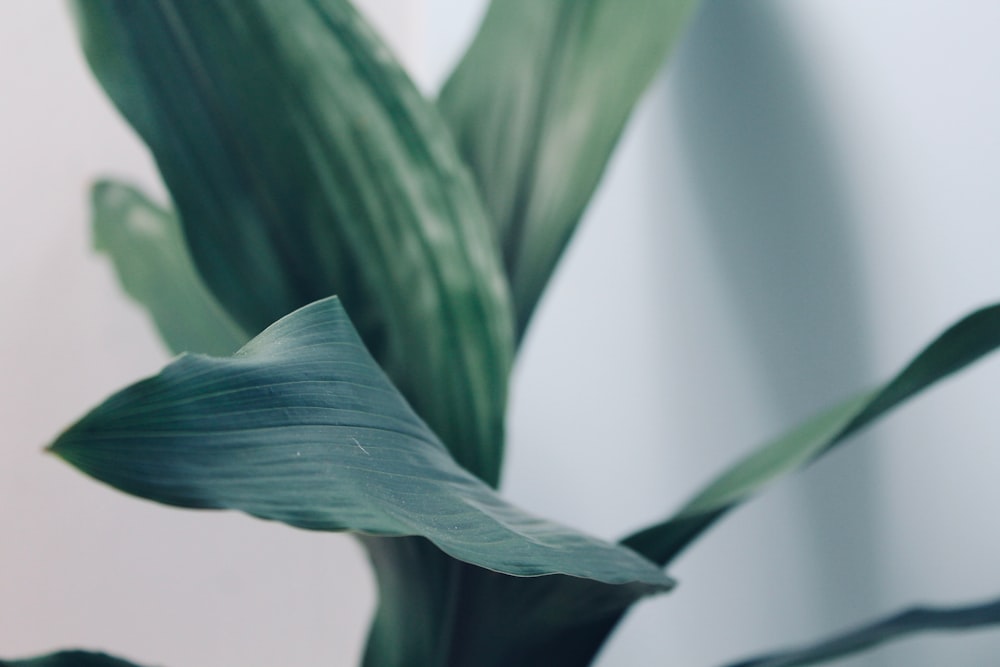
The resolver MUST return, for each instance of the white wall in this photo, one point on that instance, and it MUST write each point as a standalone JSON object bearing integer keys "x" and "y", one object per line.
{"x": 805, "y": 198}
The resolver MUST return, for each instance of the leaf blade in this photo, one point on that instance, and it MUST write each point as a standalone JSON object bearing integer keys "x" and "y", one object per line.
{"x": 891, "y": 628}
{"x": 537, "y": 105}
{"x": 962, "y": 344}
{"x": 146, "y": 246}
{"x": 303, "y": 163}
{"x": 301, "y": 426}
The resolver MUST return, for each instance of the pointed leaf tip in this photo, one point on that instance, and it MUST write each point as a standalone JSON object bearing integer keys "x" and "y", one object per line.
{"x": 301, "y": 426}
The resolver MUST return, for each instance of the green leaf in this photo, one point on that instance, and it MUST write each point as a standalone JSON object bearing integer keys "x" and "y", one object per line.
{"x": 301, "y": 426}
{"x": 146, "y": 245}
{"x": 967, "y": 341}
{"x": 69, "y": 659}
{"x": 537, "y": 105}
{"x": 457, "y": 614}
{"x": 303, "y": 163}
{"x": 920, "y": 619}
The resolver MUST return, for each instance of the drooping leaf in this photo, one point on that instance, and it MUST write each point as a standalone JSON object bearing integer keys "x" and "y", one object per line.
{"x": 537, "y": 105}
{"x": 301, "y": 426}
{"x": 69, "y": 659}
{"x": 897, "y": 626}
{"x": 973, "y": 337}
{"x": 303, "y": 163}
{"x": 146, "y": 244}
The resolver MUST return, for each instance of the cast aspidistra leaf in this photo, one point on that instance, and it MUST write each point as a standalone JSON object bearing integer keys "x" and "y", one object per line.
{"x": 895, "y": 627}
{"x": 537, "y": 105}
{"x": 962, "y": 344}
{"x": 303, "y": 162}
{"x": 302, "y": 426}
{"x": 146, "y": 245}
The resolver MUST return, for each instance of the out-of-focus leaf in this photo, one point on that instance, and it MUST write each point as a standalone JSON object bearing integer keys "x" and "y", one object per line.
{"x": 920, "y": 619}
{"x": 146, "y": 245}
{"x": 973, "y": 337}
{"x": 301, "y": 426}
{"x": 537, "y": 105}
{"x": 69, "y": 659}
{"x": 458, "y": 614}
{"x": 303, "y": 163}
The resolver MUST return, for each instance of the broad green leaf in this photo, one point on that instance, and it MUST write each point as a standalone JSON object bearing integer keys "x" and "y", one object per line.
{"x": 912, "y": 621}
{"x": 69, "y": 659}
{"x": 146, "y": 245}
{"x": 303, "y": 163}
{"x": 483, "y": 618}
{"x": 537, "y": 105}
{"x": 301, "y": 426}
{"x": 967, "y": 341}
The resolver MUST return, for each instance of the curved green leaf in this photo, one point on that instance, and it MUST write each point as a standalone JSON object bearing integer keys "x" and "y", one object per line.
{"x": 897, "y": 626}
{"x": 967, "y": 341}
{"x": 69, "y": 659}
{"x": 303, "y": 163}
{"x": 146, "y": 245}
{"x": 301, "y": 426}
{"x": 537, "y": 105}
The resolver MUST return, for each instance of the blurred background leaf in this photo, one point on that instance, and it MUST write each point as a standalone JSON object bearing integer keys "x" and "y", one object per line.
{"x": 69, "y": 659}
{"x": 537, "y": 105}
{"x": 146, "y": 244}
{"x": 892, "y": 628}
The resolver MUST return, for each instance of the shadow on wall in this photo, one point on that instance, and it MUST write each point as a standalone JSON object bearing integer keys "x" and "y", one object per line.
{"x": 765, "y": 178}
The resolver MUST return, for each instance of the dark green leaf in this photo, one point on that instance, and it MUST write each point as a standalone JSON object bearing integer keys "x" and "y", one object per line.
{"x": 146, "y": 245}
{"x": 965, "y": 342}
{"x": 537, "y": 105}
{"x": 301, "y": 426}
{"x": 69, "y": 659}
{"x": 457, "y": 614}
{"x": 921, "y": 619}
{"x": 304, "y": 163}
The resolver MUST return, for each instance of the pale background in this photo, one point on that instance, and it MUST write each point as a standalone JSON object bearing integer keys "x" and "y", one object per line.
{"x": 807, "y": 196}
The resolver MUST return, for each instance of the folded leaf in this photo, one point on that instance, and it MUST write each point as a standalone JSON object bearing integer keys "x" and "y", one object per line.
{"x": 301, "y": 426}
{"x": 303, "y": 163}
{"x": 69, "y": 659}
{"x": 146, "y": 244}
{"x": 967, "y": 341}
{"x": 921, "y": 619}
{"x": 537, "y": 105}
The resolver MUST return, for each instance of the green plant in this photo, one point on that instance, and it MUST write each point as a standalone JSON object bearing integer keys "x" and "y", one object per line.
{"x": 302, "y": 163}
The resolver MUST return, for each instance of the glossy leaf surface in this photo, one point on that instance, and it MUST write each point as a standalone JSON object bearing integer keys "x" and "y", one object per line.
{"x": 303, "y": 163}
{"x": 69, "y": 659}
{"x": 897, "y": 626}
{"x": 537, "y": 106}
{"x": 964, "y": 343}
{"x": 146, "y": 244}
{"x": 301, "y": 426}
